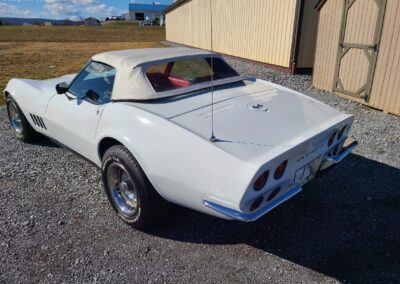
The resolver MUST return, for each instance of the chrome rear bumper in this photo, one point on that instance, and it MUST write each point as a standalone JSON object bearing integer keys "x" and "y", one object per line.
{"x": 348, "y": 146}
{"x": 248, "y": 217}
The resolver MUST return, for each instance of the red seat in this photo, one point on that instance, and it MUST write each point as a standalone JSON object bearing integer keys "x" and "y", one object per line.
{"x": 179, "y": 82}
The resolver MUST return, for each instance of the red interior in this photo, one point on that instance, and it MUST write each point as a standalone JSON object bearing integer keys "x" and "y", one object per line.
{"x": 166, "y": 81}
{"x": 178, "y": 82}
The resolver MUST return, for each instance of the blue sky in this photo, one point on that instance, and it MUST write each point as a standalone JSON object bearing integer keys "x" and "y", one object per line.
{"x": 67, "y": 9}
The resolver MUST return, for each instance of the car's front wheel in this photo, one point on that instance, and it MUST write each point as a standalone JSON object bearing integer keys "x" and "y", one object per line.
{"x": 129, "y": 190}
{"x": 22, "y": 129}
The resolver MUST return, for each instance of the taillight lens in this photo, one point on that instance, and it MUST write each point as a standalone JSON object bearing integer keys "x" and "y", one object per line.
{"x": 334, "y": 151}
{"x": 280, "y": 170}
{"x": 256, "y": 203}
{"x": 341, "y": 132}
{"x": 261, "y": 181}
{"x": 273, "y": 194}
{"x": 332, "y": 138}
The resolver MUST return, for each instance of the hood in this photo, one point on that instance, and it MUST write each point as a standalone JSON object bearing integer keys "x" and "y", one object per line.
{"x": 48, "y": 86}
{"x": 252, "y": 118}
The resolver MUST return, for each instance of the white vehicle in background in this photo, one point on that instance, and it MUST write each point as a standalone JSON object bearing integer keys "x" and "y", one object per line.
{"x": 145, "y": 117}
{"x": 115, "y": 18}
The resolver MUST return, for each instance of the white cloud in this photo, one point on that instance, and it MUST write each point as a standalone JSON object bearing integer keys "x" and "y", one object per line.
{"x": 75, "y": 18}
{"x": 85, "y": 2}
{"x": 58, "y": 8}
{"x": 7, "y": 10}
{"x": 100, "y": 9}
{"x": 74, "y": 8}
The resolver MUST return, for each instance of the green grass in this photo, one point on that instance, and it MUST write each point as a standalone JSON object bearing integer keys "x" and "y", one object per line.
{"x": 46, "y": 52}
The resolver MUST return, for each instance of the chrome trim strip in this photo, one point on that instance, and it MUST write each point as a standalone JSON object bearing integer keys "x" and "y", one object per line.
{"x": 248, "y": 217}
{"x": 345, "y": 151}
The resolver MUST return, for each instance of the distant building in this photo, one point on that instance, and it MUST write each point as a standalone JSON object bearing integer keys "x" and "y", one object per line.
{"x": 126, "y": 16}
{"x": 91, "y": 22}
{"x": 141, "y": 12}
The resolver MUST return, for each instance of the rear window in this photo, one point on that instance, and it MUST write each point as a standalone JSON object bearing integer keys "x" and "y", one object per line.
{"x": 187, "y": 72}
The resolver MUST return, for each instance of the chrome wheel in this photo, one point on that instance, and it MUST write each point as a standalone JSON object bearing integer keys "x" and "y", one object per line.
{"x": 15, "y": 118}
{"x": 123, "y": 191}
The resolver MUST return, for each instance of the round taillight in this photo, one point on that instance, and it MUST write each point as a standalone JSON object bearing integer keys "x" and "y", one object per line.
{"x": 280, "y": 170}
{"x": 256, "y": 203}
{"x": 332, "y": 138}
{"x": 273, "y": 194}
{"x": 334, "y": 151}
{"x": 341, "y": 132}
{"x": 260, "y": 181}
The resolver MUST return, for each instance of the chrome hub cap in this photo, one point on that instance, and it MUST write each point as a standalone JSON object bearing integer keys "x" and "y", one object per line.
{"x": 123, "y": 191}
{"x": 15, "y": 118}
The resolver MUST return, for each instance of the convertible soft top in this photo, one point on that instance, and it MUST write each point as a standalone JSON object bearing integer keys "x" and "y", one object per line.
{"x": 131, "y": 82}
{"x": 131, "y": 58}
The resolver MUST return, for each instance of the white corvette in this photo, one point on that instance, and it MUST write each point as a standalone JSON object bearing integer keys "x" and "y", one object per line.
{"x": 149, "y": 119}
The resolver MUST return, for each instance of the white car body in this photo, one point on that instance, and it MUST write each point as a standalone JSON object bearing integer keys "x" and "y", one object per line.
{"x": 257, "y": 125}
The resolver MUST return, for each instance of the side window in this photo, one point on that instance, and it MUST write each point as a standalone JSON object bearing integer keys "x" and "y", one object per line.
{"x": 95, "y": 82}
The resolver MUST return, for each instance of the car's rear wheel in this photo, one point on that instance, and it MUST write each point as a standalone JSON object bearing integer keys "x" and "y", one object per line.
{"x": 129, "y": 191}
{"x": 22, "y": 129}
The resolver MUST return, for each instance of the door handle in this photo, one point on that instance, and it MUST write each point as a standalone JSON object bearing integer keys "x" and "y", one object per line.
{"x": 373, "y": 47}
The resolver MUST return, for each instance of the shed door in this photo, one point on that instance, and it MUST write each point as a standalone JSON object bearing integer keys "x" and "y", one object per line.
{"x": 358, "y": 47}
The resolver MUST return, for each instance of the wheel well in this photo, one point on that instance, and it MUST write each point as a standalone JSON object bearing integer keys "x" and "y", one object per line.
{"x": 106, "y": 144}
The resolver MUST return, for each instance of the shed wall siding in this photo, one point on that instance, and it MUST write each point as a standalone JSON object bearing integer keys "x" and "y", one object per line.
{"x": 386, "y": 81}
{"x": 385, "y": 93}
{"x": 328, "y": 33}
{"x": 269, "y": 41}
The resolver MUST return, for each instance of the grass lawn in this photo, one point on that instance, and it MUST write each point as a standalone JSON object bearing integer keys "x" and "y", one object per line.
{"x": 46, "y": 52}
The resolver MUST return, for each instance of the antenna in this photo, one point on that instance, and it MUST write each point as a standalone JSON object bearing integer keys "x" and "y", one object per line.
{"x": 212, "y": 137}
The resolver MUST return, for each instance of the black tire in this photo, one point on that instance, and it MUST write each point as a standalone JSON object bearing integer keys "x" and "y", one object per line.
{"x": 151, "y": 207}
{"x": 24, "y": 132}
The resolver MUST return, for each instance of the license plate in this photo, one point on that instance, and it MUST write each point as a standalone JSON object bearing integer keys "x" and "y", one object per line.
{"x": 302, "y": 174}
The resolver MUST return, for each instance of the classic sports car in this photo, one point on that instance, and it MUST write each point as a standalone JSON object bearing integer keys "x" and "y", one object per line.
{"x": 180, "y": 125}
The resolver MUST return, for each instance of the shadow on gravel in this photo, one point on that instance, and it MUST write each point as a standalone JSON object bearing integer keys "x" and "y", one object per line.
{"x": 344, "y": 224}
{"x": 45, "y": 142}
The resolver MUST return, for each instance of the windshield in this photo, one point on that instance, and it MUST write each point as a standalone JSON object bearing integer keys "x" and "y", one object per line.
{"x": 187, "y": 72}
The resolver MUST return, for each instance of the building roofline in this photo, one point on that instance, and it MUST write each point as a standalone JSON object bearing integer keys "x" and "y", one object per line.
{"x": 148, "y": 7}
{"x": 175, "y": 5}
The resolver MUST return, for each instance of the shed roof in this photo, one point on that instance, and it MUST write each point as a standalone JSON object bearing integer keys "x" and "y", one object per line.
{"x": 174, "y": 5}
{"x": 147, "y": 7}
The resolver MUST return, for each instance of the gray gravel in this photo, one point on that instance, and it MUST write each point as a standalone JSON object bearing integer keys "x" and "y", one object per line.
{"x": 56, "y": 224}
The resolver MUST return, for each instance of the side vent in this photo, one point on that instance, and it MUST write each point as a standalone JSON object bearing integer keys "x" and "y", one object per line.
{"x": 38, "y": 121}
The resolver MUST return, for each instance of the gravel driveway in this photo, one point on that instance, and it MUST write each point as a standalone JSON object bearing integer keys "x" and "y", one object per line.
{"x": 56, "y": 224}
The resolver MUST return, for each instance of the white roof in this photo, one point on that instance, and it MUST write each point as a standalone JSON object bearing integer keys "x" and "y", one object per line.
{"x": 131, "y": 82}
{"x": 134, "y": 57}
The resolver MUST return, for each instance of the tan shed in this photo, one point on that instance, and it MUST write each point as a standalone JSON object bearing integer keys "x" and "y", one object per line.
{"x": 357, "y": 51}
{"x": 280, "y": 33}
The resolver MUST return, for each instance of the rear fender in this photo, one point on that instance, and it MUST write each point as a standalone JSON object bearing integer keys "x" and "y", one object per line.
{"x": 183, "y": 167}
